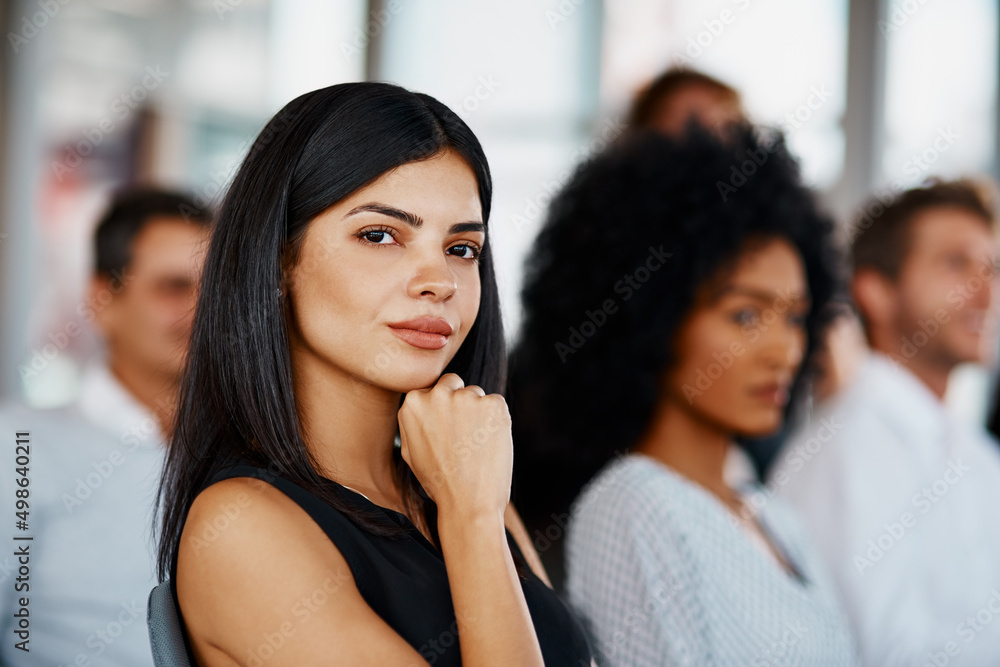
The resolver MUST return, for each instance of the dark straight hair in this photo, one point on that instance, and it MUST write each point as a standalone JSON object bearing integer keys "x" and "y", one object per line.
{"x": 236, "y": 397}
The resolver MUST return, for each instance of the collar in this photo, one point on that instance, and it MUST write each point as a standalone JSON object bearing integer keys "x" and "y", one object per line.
{"x": 105, "y": 402}
{"x": 905, "y": 402}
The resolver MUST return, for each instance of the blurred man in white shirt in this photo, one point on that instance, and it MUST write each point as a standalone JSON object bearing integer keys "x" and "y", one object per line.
{"x": 901, "y": 495}
{"x": 94, "y": 466}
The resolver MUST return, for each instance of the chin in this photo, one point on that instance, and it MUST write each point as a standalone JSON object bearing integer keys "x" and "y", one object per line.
{"x": 396, "y": 378}
{"x": 760, "y": 428}
{"x": 972, "y": 353}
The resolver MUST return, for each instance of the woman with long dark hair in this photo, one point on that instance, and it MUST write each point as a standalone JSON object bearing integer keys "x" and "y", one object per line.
{"x": 672, "y": 308}
{"x": 336, "y": 489}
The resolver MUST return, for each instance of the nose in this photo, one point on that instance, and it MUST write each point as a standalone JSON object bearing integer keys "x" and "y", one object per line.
{"x": 986, "y": 277}
{"x": 432, "y": 277}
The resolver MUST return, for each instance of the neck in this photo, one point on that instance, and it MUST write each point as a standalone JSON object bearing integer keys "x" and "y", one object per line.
{"x": 931, "y": 371}
{"x": 690, "y": 444}
{"x": 156, "y": 391}
{"x": 349, "y": 427}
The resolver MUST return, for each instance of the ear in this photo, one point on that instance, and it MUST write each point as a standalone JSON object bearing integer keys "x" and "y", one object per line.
{"x": 100, "y": 298}
{"x": 876, "y": 297}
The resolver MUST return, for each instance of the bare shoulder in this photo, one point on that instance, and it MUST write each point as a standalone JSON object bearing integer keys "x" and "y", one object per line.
{"x": 235, "y": 528}
{"x": 240, "y": 512}
{"x": 517, "y": 529}
{"x": 253, "y": 564}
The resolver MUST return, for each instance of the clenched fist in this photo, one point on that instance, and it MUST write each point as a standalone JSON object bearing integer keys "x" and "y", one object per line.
{"x": 457, "y": 441}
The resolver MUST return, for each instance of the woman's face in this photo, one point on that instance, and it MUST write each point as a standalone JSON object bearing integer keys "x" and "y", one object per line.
{"x": 743, "y": 342}
{"x": 386, "y": 283}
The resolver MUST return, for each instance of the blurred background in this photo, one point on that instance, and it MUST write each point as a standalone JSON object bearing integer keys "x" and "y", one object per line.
{"x": 874, "y": 95}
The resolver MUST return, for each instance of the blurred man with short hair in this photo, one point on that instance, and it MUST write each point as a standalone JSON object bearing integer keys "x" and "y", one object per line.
{"x": 94, "y": 466}
{"x": 899, "y": 493}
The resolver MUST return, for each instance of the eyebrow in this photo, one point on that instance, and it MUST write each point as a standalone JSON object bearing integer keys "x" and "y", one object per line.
{"x": 413, "y": 220}
{"x": 762, "y": 295}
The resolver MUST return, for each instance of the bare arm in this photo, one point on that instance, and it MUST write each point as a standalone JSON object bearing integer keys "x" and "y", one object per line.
{"x": 493, "y": 618}
{"x": 457, "y": 442}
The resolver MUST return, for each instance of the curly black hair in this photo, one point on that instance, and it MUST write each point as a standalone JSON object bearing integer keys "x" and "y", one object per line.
{"x": 600, "y": 317}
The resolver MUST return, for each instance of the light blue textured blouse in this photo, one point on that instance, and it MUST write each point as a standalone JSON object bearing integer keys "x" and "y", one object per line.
{"x": 663, "y": 574}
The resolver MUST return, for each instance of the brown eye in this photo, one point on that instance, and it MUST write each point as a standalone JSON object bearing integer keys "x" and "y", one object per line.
{"x": 376, "y": 236}
{"x": 466, "y": 251}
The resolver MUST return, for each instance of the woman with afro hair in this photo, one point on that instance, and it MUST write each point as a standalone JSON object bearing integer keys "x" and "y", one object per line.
{"x": 673, "y": 304}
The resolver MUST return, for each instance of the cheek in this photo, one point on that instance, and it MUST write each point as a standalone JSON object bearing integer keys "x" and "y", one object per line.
{"x": 705, "y": 341}
{"x": 327, "y": 299}
{"x": 709, "y": 355}
{"x": 802, "y": 341}
{"x": 466, "y": 301}
{"x": 715, "y": 385}
{"x": 928, "y": 292}
{"x": 143, "y": 314}
{"x": 471, "y": 295}
{"x": 338, "y": 294}
{"x": 165, "y": 312}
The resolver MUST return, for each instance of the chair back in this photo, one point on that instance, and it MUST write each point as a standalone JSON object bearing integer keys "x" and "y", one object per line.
{"x": 165, "y": 633}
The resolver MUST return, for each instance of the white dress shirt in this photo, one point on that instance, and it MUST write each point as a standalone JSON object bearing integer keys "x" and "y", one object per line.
{"x": 94, "y": 469}
{"x": 902, "y": 499}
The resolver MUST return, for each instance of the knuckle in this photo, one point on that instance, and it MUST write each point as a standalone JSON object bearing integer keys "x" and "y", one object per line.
{"x": 497, "y": 402}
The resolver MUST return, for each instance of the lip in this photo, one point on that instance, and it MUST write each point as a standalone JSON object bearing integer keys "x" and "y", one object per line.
{"x": 775, "y": 393}
{"x": 426, "y": 333}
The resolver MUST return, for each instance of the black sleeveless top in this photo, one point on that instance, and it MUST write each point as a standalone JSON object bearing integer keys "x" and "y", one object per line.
{"x": 403, "y": 579}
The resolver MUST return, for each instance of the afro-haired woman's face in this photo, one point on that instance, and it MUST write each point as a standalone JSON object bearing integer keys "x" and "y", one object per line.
{"x": 386, "y": 284}
{"x": 740, "y": 347}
